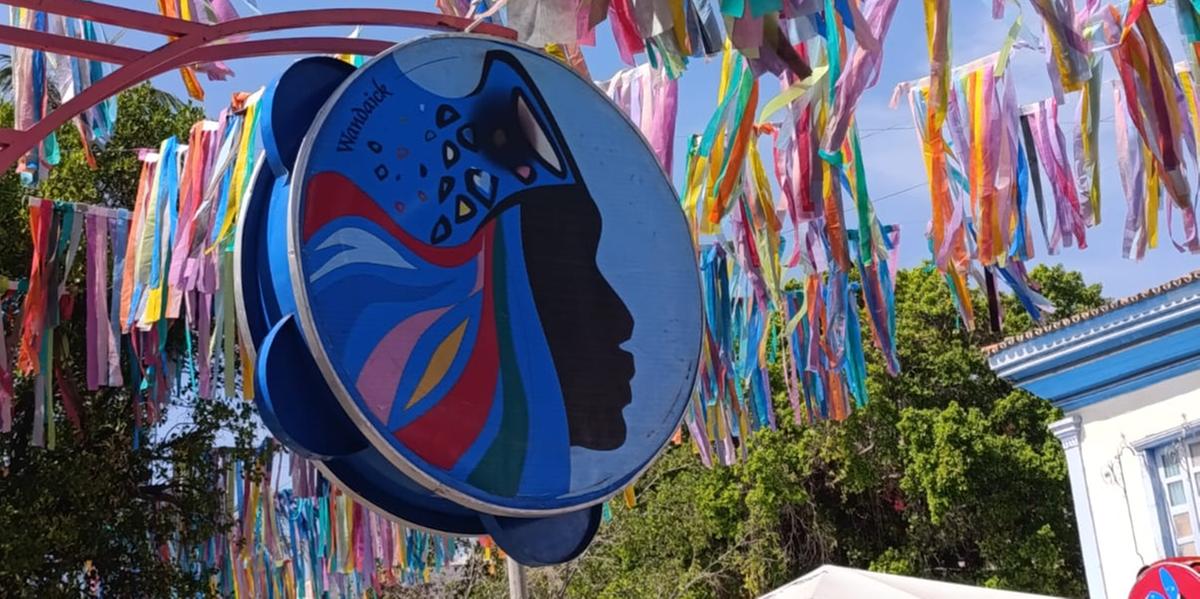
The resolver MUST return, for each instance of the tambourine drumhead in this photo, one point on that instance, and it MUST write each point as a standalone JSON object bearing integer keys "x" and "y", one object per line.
{"x": 494, "y": 275}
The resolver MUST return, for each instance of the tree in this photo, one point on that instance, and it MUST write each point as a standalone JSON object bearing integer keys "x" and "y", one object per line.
{"x": 95, "y": 498}
{"x": 949, "y": 473}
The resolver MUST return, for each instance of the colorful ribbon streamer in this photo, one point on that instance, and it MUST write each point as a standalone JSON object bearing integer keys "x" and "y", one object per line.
{"x": 41, "y": 79}
{"x": 649, "y": 97}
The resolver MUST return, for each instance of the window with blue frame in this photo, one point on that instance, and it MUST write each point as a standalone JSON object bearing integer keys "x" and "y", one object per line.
{"x": 1178, "y": 474}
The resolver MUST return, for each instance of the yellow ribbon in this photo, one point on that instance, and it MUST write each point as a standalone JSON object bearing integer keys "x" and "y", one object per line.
{"x": 238, "y": 182}
{"x": 145, "y": 247}
{"x": 800, "y": 89}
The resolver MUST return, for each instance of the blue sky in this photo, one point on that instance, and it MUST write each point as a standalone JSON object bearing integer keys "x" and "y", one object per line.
{"x": 893, "y": 158}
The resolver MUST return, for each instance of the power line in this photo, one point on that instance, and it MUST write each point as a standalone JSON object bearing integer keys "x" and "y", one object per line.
{"x": 900, "y": 191}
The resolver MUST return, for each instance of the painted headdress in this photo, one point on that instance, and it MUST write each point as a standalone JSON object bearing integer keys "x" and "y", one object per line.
{"x": 448, "y": 349}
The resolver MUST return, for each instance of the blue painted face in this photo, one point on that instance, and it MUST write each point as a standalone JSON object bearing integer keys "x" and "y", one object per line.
{"x": 441, "y": 275}
{"x": 479, "y": 333}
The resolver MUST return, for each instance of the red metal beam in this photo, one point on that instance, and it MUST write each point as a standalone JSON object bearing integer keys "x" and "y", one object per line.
{"x": 121, "y": 55}
{"x": 322, "y": 17}
{"x": 115, "y": 54}
{"x": 283, "y": 46}
{"x": 71, "y": 46}
{"x": 250, "y": 49}
{"x": 113, "y": 15}
{"x": 195, "y": 47}
{"x": 144, "y": 21}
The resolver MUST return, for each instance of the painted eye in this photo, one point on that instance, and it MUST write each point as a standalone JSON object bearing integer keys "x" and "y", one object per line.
{"x": 537, "y": 136}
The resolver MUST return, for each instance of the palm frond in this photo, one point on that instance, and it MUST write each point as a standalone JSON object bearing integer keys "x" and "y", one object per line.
{"x": 163, "y": 98}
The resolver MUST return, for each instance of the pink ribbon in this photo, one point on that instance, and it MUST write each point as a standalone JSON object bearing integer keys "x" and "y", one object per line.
{"x": 1051, "y": 143}
{"x": 98, "y": 327}
{"x": 625, "y": 31}
{"x": 650, "y": 99}
{"x": 861, "y": 73}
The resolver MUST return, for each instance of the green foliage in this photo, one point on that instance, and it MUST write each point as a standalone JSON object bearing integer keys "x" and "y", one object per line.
{"x": 948, "y": 473}
{"x": 94, "y": 498}
{"x": 15, "y": 250}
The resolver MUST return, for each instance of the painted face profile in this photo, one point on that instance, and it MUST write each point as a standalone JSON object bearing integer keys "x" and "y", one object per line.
{"x": 450, "y": 258}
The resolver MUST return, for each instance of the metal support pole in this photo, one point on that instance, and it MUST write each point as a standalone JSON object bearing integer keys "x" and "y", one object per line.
{"x": 516, "y": 580}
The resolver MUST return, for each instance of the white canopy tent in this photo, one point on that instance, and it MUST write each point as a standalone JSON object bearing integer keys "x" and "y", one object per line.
{"x": 836, "y": 582}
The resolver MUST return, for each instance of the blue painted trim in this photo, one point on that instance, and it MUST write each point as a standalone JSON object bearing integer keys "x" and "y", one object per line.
{"x": 1168, "y": 345}
{"x": 1161, "y": 511}
{"x": 1153, "y": 442}
{"x": 1110, "y": 354}
{"x": 1153, "y": 446}
{"x": 1132, "y": 383}
{"x": 1132, "y": 325}
{"x": 1157, "y": 501}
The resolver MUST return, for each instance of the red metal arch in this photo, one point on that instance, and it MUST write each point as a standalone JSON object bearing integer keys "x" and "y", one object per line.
{"x": 193, "y": 43}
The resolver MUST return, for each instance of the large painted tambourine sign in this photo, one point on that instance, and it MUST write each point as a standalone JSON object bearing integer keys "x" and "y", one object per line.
{"x": 472, "y": 291}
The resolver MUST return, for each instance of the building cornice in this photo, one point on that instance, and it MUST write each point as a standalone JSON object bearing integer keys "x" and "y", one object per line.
{"x": 1113, "y": 350}
{"x": 1093, "y": 313}
{"x": 1067, "y": 431}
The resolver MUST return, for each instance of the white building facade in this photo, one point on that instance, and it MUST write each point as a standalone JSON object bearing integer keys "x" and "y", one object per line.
{"x": 1127, "y": 377}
